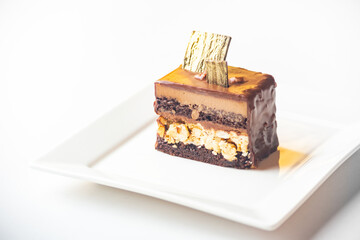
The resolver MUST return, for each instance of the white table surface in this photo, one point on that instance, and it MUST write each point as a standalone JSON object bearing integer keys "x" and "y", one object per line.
{"x": 65, "y": 63}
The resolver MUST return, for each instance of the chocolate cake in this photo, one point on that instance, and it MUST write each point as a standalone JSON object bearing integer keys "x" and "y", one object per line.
{"x": 231, "y": 126}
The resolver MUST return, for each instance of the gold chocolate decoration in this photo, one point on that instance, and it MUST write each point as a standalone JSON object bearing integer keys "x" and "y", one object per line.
{"x": 217, "y": 72}
{"x": 203, "y": 45}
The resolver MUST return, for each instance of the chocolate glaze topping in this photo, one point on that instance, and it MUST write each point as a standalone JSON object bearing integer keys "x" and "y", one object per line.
{"x": 252, "y": 82}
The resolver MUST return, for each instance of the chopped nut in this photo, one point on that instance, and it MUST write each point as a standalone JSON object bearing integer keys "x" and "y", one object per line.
{"x": 228, "y": 150}
{"x": 161, "y": 131}
{"x": 195, "y": 114}
{"x": 169, "y": 139}
{"x": 200, "y": 76}
{"x": 162, "y": 120}
{"x": 241, "y": 141}
{"x": 222, "y": 134}
{"x": 183, "y": 132}
{"x": 236, "y": 80}
{"x": 172, "y": 130}
{"x": 177, "y": 132}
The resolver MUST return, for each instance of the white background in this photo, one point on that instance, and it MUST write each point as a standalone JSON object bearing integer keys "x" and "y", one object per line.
{"x": 65, "y": 63}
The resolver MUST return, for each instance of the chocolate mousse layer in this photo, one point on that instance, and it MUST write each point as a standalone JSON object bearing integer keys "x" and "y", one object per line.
{"x": 188, "y": 96}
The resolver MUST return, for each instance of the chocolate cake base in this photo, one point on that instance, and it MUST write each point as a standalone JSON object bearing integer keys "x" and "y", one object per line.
{"x": 201, "y": 154}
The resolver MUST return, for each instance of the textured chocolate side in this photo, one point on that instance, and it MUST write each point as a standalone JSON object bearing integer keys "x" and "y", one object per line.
{"x": 201, "y": 154}
{"x": 199, "y": 113}
{"x": 262, "y": 124}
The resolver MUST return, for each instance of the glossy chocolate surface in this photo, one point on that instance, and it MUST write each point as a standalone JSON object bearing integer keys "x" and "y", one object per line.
{"x": 247, "y": 85}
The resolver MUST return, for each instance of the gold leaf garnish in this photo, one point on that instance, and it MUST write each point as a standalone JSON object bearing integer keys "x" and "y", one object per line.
{"x": 203, "y": 45}
{"x": 217, "y": 72}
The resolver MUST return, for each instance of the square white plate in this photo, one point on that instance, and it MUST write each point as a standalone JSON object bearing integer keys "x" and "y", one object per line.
{"x": 118, "y": 150}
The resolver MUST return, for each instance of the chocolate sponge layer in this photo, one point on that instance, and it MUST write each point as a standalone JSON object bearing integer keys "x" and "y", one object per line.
{"x": 199, "y": 113}
{"x": 201, "y": 154}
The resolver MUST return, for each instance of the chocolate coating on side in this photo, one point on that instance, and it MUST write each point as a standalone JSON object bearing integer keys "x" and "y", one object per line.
{"x": 262, "y": 124}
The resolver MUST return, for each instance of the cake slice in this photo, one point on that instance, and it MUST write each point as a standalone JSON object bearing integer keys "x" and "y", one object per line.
{"x": 231, "y": 127}
{"x": 214, "y": 113}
